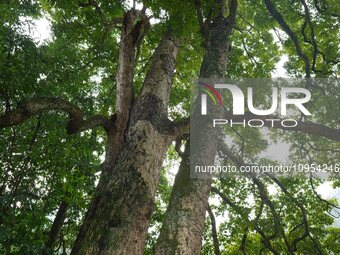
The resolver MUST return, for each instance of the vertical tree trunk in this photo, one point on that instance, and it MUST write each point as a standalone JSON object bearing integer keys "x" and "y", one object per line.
{"x": 118, "y": 218}
{"x": 182, "y": 228}
{"x": 184, "y": 220}
{"x": 56, "y": 227}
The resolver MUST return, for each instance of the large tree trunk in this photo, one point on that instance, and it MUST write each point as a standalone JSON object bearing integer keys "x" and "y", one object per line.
{"x": 118, "y": 217}
{"x": 184, "y": 220}
{"x": 182, "y": 228}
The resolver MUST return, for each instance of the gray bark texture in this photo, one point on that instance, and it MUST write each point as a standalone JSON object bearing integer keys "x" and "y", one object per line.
{"x": 118, "y": 217}
{"x": 184, "y": 220}
{"x": 182, "y": 229}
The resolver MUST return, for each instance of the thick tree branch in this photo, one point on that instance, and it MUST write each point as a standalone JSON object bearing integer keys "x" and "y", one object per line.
{"x": 135, "y": 23}
{"x": 76, "y": 123}
{"x": 244, "y": 241}
{"x": 306, "y": 127}
{"x": 162, "y": 68}
{"x": 132, "y": 32}
{"x": 279, "y": 229}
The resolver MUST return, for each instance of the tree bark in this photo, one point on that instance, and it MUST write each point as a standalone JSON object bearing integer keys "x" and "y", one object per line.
{"x": 56, "y": 227}
{"x": 118, "y": 218}
{"x": 184, "y": 220}
{"x": 183, "y": 224}
{"x": 132, "y": 33}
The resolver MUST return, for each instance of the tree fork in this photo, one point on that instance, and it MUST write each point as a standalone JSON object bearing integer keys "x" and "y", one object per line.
{"x": 119, "y": 214}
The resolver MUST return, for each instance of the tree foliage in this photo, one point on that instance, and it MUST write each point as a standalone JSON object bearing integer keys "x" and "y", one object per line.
{"x": 43, "y": 168}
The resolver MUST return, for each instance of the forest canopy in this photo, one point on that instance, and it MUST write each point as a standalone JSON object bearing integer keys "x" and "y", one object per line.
{"x": 94, "y": 127}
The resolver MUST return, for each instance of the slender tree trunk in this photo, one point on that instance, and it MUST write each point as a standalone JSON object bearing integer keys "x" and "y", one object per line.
{"x": 183, "y": 225}
{"x": 214, "y": 231}
{"x": 118, "y": 218}
{"x": 56, "y": 227}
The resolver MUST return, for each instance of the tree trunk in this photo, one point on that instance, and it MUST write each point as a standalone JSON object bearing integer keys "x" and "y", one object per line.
{"x": 56, "y": 227}
{"x": 184, "y": 220}
{"x": 183, "y": 225}
{"x": 118, "y": 218}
